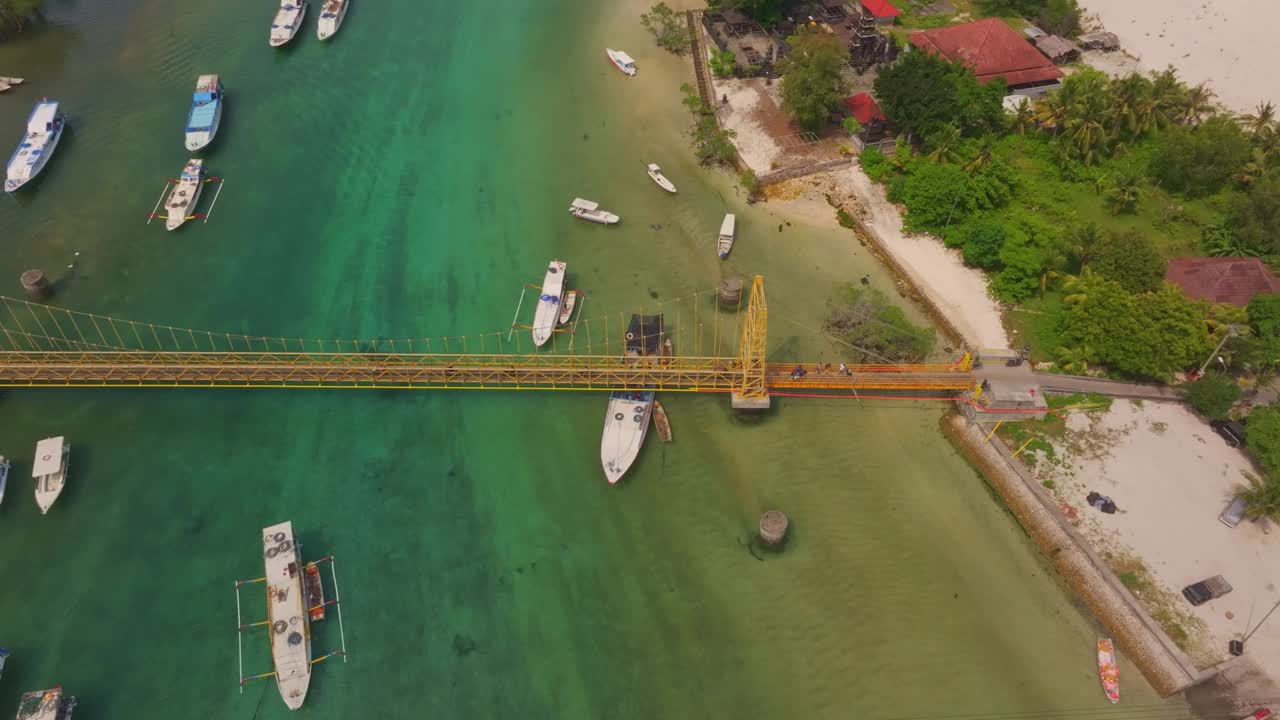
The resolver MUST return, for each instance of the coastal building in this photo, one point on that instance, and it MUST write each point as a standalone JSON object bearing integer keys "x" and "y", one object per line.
{"x": 1058, "y": 49}
{"x": 882, "y": 10}
{"x": 992, "y": 50}
{"x": 1231, "y": 280}
{"x": 875, "y": 125}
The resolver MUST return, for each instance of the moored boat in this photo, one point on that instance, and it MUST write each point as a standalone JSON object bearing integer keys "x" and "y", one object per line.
{"x": 728, "y": 229}
{"x": 4, "y": 656}
{"x": 622, "y": 61}
{"x": 661, "y": 422}
{"x": 315, "y": 592}
{"x": 332, "y": 14}
{"x": 287, "y": 21}
{"x": 184, "y": 195}
{"x": 4, "y": 480}
{"x": 44, "y": 129}
{"x": 566, "y": 306}
{"x": 548, "y": 310}
{"x": 590, "y": 210}
{"x": 1108, "y": 670}
{"x": 626, "y": 422}
{"x": 655, "y": 172}
{"x": 50, "y": 704}
{"x": 287, "y": 614}
{"x": 206, "y": 112}
{"x": 50, "y": 470}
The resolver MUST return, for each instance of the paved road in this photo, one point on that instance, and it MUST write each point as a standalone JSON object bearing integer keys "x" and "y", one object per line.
{"x": 1053, "y": 382}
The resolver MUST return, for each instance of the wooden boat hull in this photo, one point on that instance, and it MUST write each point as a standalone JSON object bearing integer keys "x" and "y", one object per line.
{"x": 661, "y": 423}
{"x": 1108, "y": 671}
{"x": 566, "y": 309}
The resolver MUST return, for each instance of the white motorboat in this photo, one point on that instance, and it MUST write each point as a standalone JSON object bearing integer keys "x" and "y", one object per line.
{"x": 287, "y": 21}
{"x": 588, "y": 210}
{"x": 548, "y": 310}
{"x": 621, "y": 60}
{"x": 206, "y": 112}
{"x": 332, "y": 14}
{"x": 50, "y": 470}
{"x": 44, "y": 129}
{"x": 8, "y": 82}
{"x": 4, "y": 480}
{"x": 626, "y": 422}
{"x": 655, "y": 172}
{"x": 727, "y": 230}
{"x": 287, "y": 614}
{"x": 50, "y": 704}
{"x": 184, "y": 195}
{"x": 566, "y": 306}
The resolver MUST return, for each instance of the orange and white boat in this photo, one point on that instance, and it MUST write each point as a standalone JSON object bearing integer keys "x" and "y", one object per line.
{"x": 1108, "y": 670}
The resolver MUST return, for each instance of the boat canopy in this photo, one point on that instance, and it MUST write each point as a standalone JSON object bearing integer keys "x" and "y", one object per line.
{"x": 581, "y": 204}
{"x": 42, "y": 117}
{"x": 206, "y": 83}
{"x": 623, "y": 58}
{"x": 727, "y": 227}
{"x": 48, "y": 457}
{"x": 644, "y": 336}
{"x": 192, "y": 169}
{"x": 203, "y": 109}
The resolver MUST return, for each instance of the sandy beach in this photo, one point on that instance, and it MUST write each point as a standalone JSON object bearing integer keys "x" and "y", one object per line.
{"x": 1170, "y": 477}
{"x": 1229, "y": 44}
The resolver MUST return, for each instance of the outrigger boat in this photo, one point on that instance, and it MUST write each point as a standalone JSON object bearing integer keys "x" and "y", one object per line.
{"x": 566, "y": 307}
{"x": 728, "y": 229}
{"x": 660, "y": 422}
{"x": 46, "y": 705}
{"x": 286, "y": 611}
{"x": 655, "y": 172}
{"x": 8, "y": 82}
{"x": 206, "y": 112}
{"x": 622, "y": 61}
{"x": 50, "y": 471}
{"x": 4, "y": 480}
{"x": 287, "y": 21}
{"x": 548, "y": 310}
{"x": 44, "y": 129}
{"x": 332, "y": 14}
{"x": 589, "y": 210}
{"x": 185, "y": 194}
{"x": 1108, "y": 670}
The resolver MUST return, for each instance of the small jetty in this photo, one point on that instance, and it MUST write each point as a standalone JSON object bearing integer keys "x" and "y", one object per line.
{"x": 661, "y": 424}
{"x": 52, "y": 704}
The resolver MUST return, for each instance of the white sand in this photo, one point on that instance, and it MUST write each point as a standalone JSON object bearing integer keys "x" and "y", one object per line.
{"x": 1171, "y": 476}
{"x": 1229, "y": 44}
{"x": 757, "y": 149}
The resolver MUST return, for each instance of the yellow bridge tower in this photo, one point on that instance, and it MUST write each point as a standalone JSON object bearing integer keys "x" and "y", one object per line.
{"x": 753, "y": 392}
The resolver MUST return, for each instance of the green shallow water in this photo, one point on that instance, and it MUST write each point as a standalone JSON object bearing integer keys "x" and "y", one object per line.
{"x": 404, "y": 181}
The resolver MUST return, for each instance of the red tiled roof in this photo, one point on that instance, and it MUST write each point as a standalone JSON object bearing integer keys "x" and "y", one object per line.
{"x": 991, "y": 48}
{"x": 881, "y": 8}
{"x": 1234, "y": 280}
{"x": 864, "y": 108}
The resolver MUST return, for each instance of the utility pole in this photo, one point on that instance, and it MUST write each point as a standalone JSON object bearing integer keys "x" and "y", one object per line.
{"x": 1231, "y": 331}
{"x": 1236, "y": 647}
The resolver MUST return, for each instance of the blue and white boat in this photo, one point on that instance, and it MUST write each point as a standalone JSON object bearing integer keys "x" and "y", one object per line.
{"x": 626, "y": 422}
{"x": 44, "y": 129}
{"x": 4, "y": 480}
{"x": 331, "y": 15}
{"x": 206, "y": 112}
{"x": 288, "y": 20}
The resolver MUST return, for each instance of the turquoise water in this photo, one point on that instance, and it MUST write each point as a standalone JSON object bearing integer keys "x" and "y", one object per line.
{"x": 405, "y": 180}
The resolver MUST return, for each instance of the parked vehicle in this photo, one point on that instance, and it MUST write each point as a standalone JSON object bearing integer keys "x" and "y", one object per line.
{"x": 1233, "y": 513}
{"x": 1206, "y": 590}
{"x": 1231, "y": 430}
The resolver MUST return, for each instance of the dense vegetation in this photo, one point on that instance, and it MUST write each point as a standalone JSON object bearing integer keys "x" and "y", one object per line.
{"x": 813, "y": 83}
{"x": 866, "y": 320}
{"x": 669, "y": 28}
{"x": 15, "y": 14}
{"x": 765, "y": 12}
{"x": 711, "y": 145}
{"x": 1074, "y": 203}
{"x": 1060, "y": 17}
{"x": 1213, "y": 395}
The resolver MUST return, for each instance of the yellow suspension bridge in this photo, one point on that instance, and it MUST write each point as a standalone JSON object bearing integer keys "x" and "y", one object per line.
{"x": 42, "y": 346}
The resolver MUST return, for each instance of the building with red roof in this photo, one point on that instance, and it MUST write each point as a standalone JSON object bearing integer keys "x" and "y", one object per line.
{"x": 882, "y": 10}
{"x": 992, "y": 50}
{"x": 1233, "y": 280}
{"x": 864, "y": 107}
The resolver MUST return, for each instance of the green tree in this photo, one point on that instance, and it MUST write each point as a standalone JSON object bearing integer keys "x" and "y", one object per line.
{"x": 1023, "y": 118}
{"x": 711, "y": 144}
{"x": 1259, "y": 121}
{"x": 943, "y": 145}
{"x": 865, "y": 319}
{"x": 1151, "y": 335}
{"x": 1213, "y": 395}
{"x": 669, "y": 28}
{"x": 765, "y": 12}
{"x": 1263, "y": 438}
{"x": 1261, "y": 496}
{"x": 923, "y": 92}
{"x": 851, "y": 125}
{"x": 1254, "y": 217}
{"x": 723, "y": 63}
{"x": 15, "y": 14}
{"x": 1023, "y": 260}
{"x": 747, "y": 178}
{"x": 981, "y": 242}
{"x": 813, "y": 82}
{"x": 1125, "y": 193}
{"x": 1200, "y": 160}
{"x": 1130, "y": 259}
{"x": 1197, "y": 102}
{"x": 1264, "y": 315}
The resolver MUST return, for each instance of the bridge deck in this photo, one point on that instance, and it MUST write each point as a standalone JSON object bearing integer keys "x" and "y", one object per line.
{"x": 441, "y": 371}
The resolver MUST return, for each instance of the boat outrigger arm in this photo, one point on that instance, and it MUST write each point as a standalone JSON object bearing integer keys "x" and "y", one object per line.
{"x": 204, "y": 216}
{"x": 241, "y": 626}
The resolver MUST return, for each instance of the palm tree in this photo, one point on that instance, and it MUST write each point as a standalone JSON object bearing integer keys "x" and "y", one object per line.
{"x": 1259, "y": 121}
{"x": 944, "y": 144}
{"x": 1132, "y": 105}
{"x": 1125, "y": 193}
{"x": 1218, "y": 240}
{"x": 1051, "y": 111}
{"x": 1255, "y": 168}
{"x": 1073, "y": 360}
{"x": 1261, "y": 497}
{"x": 1169, "y": 94}
{"x": 1197, "y": 102}
{"x": 983, "y": 155}
{"x": 1076, "y": 287}
{"x": 1081, "y": 240}
{"x": 1024, "y": 117}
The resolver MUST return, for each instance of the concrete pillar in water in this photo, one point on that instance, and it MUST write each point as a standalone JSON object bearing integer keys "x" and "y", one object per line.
{"x": 773, "y": 528}
{"x": 730, "y": 293}
{"x": 36, "y": 284}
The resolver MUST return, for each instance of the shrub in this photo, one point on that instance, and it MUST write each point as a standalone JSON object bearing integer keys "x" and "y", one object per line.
{"x": 1263, "y": 437}
{"x": 1213, "y": 395}
{"x": 1264, "y": 315}
{"x": 875, "y": 164}
{"x": 723, "y": 63}
{"x": 867, "y": 320}
{"x": 981, "y": 243}
{"x": 1201, "y": 160}
{"x": 1130, "y": 259}
{"x": 668, "y": 28}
